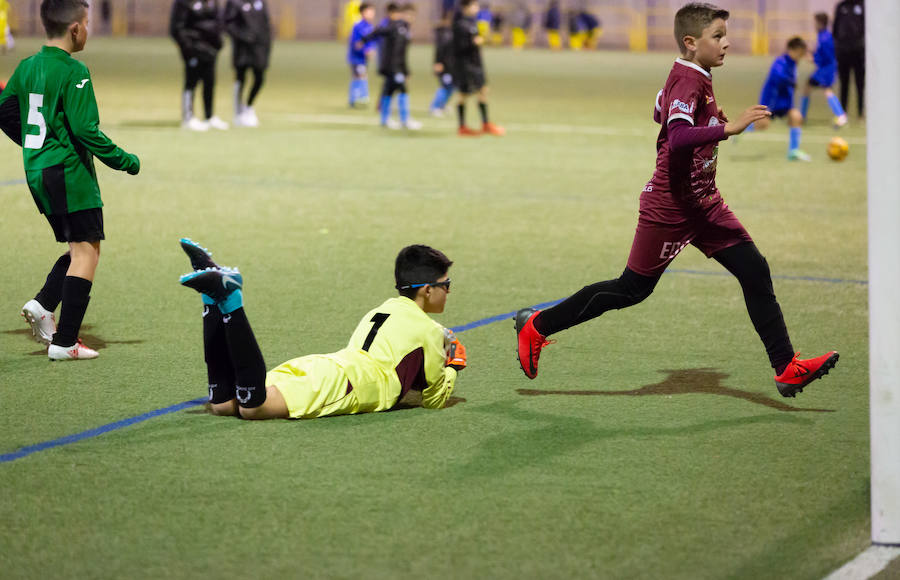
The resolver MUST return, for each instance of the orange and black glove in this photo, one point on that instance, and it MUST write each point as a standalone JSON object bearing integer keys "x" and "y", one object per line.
{"x": 456, "y": 355}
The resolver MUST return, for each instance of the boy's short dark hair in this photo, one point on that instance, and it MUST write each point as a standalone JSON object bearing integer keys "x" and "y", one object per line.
{"x": 691, "y": 19}
{"x": 418, "y": 264}
{"x": 364, "y": 6}
{"x": 393, "y": 7}
{"x": 466, "y": 3}
{"x": 822, "y": 19}
{"x": 57, "y": 15}
{"x": 795, "y": 43}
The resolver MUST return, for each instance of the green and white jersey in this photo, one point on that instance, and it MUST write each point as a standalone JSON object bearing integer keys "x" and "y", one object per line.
{"x": 61, "y": 133}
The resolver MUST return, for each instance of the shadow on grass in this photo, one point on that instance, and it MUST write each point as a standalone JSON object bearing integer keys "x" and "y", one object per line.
{"x": 687, "y": 381}
{"x": 149, "y": 123}
{"x": 401, "y": 406}
{"x": 91, "y": 340}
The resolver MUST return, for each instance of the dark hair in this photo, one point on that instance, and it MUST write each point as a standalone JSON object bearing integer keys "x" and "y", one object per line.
{"x": 57, "y": 15}
{"x": 418, "y": 264}
{"x": 821, "y": 18}
{"x": 466, "y": 3}
{"x": 409, "y": 7}
{"x": 691, "y": 19}
{"x": 393, "y": 7}
{"x": 364, "y": 6}
{"x": 795, "y": 43}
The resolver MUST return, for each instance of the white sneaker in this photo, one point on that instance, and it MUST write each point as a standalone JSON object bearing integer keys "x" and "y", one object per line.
{"x": 412, "y": 125}
{"x": 840, "y": 121}
{"x": 75, "y": 352}
{"x": 217, "y": 123}
{"x": 238, "y": 120}
{"x": 392, "y": 124}
{"x": 437, "y": 112}
{"x": 42, "y": 321}
{"x": 249, "y": 118}
{"x": 195, "y": 124}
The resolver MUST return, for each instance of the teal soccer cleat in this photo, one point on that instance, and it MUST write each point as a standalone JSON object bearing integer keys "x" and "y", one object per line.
{"x": 216, "y": 283}
{"x": 200, "y": 257}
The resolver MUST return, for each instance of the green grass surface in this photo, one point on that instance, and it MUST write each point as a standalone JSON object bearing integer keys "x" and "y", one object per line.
{"x": 681, "y": 462}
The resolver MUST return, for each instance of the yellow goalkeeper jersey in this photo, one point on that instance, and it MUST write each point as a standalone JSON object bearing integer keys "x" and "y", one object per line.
{"x": 395, "y": 348}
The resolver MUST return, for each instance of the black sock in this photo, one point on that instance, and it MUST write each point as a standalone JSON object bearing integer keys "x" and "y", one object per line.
{"x": 592, "y": 301}
{"x": 461, "y": 114}
{"x": 219, "y": 369}
{"x": 246, "y": 359}
{"x": 51, "y": 294}
{"x": 76, "y": 293}
{"x": 484, "y": 115}
{"x": 258, "y": 77}
{"x": 752, "y": 271}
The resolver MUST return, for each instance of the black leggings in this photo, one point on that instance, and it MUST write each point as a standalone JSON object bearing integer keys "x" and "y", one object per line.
{"x": 241, "y": 77}
{"x": 856, "y": 62}
{"x": 742, "y": 260}
{"x": 234, "y": 364}
{"x": 200, "y": 71}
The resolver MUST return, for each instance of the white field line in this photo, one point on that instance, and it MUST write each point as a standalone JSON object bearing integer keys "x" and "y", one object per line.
{"x": 776, "y": 134}
{"x": 867, "y": 564}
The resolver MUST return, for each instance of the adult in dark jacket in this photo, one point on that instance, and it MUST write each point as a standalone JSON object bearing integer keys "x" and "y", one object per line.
{"x": 197, "y": 29}
{"x": 849, "y": 31}
{"x": 249, "y": 26}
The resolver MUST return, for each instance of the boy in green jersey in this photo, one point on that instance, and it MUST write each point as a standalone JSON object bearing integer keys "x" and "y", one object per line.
{"x": 48, "y": 107}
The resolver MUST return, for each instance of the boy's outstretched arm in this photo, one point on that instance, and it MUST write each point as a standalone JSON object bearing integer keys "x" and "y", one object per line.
{"x": 10, "y": 119}
{"x": 80, "y": 106}
{"x": 440, "y": 372}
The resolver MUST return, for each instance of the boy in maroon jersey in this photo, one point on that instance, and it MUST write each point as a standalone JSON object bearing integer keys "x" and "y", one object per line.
{"x": 681, "y": 205}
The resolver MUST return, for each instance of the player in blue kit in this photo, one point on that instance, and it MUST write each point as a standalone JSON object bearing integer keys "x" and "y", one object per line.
{"x": 358, "y": 58}
{"x": 823, "y": 77}
{"x": 778, "y": 96}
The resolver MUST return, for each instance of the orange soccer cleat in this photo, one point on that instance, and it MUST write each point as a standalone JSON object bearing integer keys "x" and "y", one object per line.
{"x": 530, "y": 341}
{"x": 492, "y": 129}
{"x": 801, "y": 372}
{"x": 466, "y": 132}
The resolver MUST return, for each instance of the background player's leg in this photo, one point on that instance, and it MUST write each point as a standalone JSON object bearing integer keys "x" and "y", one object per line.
{"x": 219, "y": 369}
{"x": 859, "y": 75}
{"x": 591, "y": 301}
{"x": 836, "y": 107}
{"x": 746, "y": 263}
{"x": 76, "y": 291}
{"x": 804, "y": 101}
{"x": 259, "y": 76}
{"x": 795, "y": 132}
{"x": 844, "y": 76}
{"x": 191, "y": 77}
{"x": 403, "y": 103}
{"x": 240, "y": 77}
{"x": 208, "y": 75}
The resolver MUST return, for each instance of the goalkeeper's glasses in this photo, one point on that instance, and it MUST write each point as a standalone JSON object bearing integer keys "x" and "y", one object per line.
{"x": 445, "y": 284}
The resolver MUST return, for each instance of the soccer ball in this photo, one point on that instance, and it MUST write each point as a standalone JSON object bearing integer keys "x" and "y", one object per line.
{"x": 838, "y": 149}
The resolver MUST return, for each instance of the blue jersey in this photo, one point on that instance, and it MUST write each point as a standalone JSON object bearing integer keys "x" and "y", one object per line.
{"x": 360, "y": 30}
{"x": 778, "y": 92}
{"x": 484, "y": 15}
{"x": 826, "y": 63}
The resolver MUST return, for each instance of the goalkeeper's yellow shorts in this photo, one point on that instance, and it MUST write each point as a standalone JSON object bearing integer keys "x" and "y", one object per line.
{"x": 314, "y": 386}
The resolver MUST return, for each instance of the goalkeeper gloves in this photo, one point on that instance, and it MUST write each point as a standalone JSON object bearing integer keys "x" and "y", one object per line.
{"x": 456, "y": 356}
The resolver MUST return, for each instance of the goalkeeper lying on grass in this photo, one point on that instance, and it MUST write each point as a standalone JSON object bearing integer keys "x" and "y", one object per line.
{"x": 395, "y": 348}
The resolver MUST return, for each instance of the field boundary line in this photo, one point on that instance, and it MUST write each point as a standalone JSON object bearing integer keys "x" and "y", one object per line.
{"x": 867, "y": 564}
{"x": 97, "y": 431}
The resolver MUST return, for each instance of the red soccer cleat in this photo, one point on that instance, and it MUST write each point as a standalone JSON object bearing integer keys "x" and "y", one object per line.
{"x": 801, "y": 372}
{"x": 492, "y": 129}
{"x": 466, "y": 132}
{"x": 530, "y": 341}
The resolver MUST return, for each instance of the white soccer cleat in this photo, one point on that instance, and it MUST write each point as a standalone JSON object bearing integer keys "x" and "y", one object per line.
{"x": 75, "y": 352}
{"x": 840, "y": 121}
{"x": 42, "y": 321}
{"x": 195, "y": 124}
{"x": 392, "y": 124}
{"x": 249, "y": 118}
{"x": 437, "y": 112}
{"x": 412, "y": 125}
{"x": 217, "y": 123}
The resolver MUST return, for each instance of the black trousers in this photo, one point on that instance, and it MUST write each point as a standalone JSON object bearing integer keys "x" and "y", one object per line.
{"x": 855, "y": 62}
{"x": 196, "y": 71}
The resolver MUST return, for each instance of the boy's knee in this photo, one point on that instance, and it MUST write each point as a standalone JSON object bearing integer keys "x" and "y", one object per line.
{"x": 637, "y": 287}
{"x": 795, "y": 118}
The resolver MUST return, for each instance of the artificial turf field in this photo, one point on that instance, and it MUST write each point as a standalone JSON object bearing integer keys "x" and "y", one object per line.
{"x": 652, "y": 445}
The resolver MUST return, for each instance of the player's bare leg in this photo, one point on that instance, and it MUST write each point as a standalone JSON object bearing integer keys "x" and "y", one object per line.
{"x": 274, "y": 407}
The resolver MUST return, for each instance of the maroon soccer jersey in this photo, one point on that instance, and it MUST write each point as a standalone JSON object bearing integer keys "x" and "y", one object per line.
{"x": 685, "y": 178}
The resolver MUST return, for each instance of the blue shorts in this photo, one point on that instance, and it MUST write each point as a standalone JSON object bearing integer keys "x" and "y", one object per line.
{"x": 823, "y": 77}
{"x": 779, "y": 113}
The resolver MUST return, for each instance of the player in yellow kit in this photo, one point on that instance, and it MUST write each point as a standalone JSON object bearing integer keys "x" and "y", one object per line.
{"x": 396, "y": 348}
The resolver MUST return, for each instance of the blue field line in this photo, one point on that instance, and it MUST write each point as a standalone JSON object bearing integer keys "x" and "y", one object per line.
{"x": 12, "y": 182}
{"x": 26, "y": 451}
